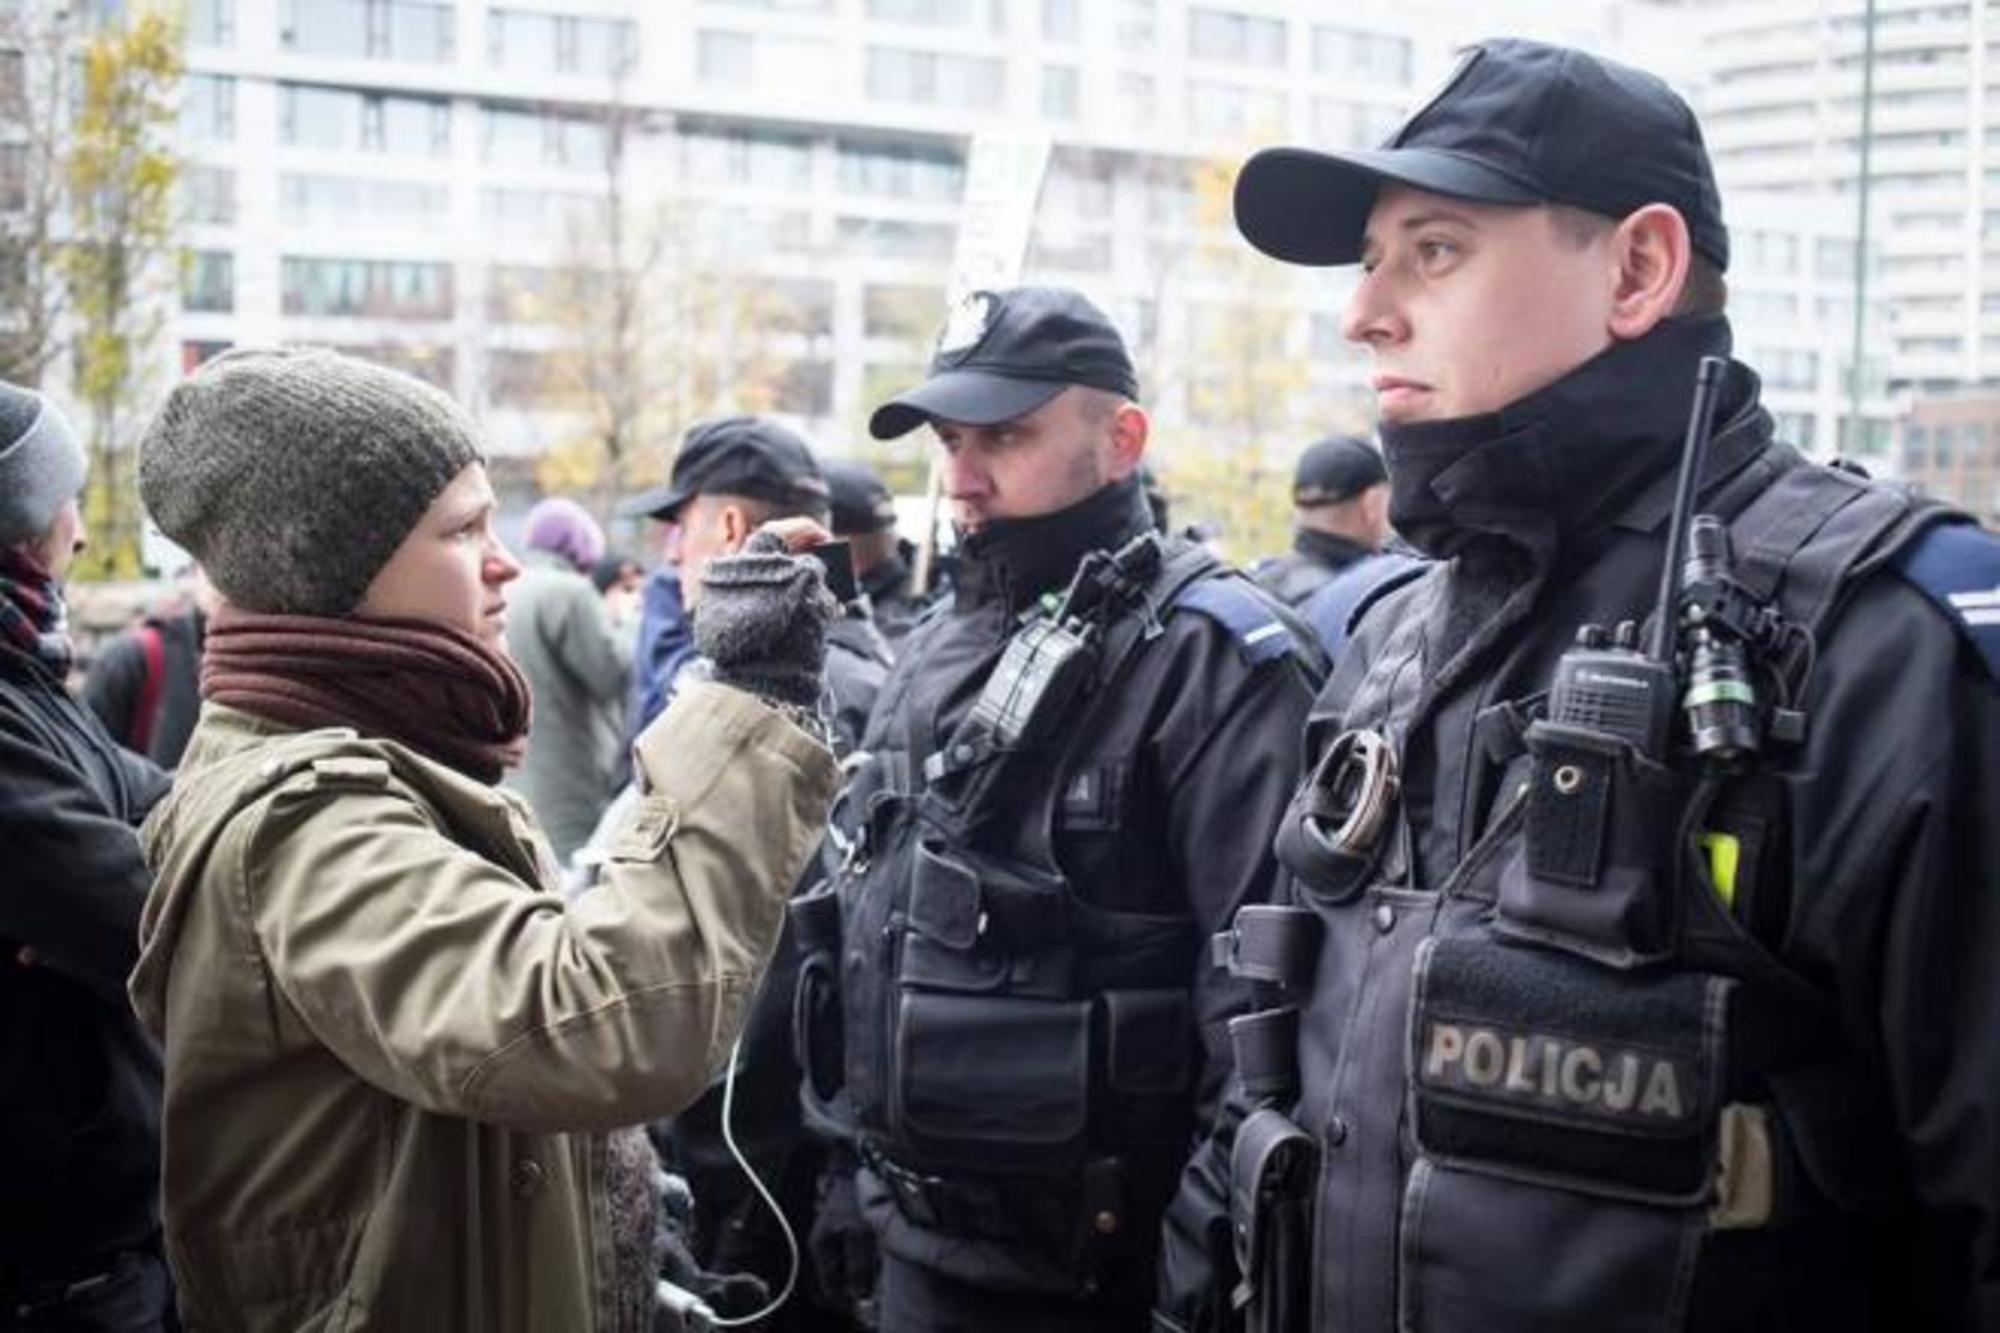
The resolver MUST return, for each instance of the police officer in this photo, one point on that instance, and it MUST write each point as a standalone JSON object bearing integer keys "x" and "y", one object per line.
{"x": 1340, "y": 504}
{"x": 1600, "y": 1005}
{"x": 1003, "y": 1013}
{"x": 731, "y": 475}
{"x": 864, "y": 516}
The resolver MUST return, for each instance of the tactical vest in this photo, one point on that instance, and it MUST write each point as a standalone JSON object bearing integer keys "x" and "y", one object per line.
{"x": 1529, "y": 1097}
{"x": 1014, "y": 1063}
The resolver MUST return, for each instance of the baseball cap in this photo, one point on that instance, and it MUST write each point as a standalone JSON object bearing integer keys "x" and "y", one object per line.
{"x": 861, "y": 503}
{"x": 751, "y": 456}
{"x": 1517, "y": 122}
{"x": 1334, "y": 469}
{"x": 1006, "y": 353}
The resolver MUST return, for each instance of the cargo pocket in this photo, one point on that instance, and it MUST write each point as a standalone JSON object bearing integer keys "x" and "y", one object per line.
{"x": 1148, "y": 1067}
{"x": 981, "y": 924}
{"x": 816, "y": 1026}
{"x": 1597, "y": 871}
{"x": 1564, "y": 1118}
{"x": 991, "y": 1083}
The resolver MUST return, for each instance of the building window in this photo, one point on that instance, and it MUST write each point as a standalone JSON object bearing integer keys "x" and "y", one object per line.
{"x": 1060, "y": 20}
{"x": 725, "y": 57}
{"x": 210, "y": 22}
{"x": 889, "y": 238}
{"x": 1227, "y": 108}
{"x": 1370, "y": 55}
{"x": 935, "y": 78}
{"x": 517, "y": 137}
{"x": 374, "y": 288}
{"x": 806, "y": 389}
{"x": 902, "y": 171}
{"x": 347, "y": 201}
{"x": 1236, "y": 39}
{"x": 941, "y": 13}
{"x": 905, "y": 313}
{"x": 210, "y": 195}
{"x": 1137, "y": 101}
{"x": 379, "y": 29}
{"x": 1059, "y": 92}
{"x": 1138, "y": 25}
{"x": 209, "y": 284}
{"x": 195, "y": 352}
{"x": 1353, "y": 124}
{"x": 539, "y": 213}
{"x": 747, "y": 157}
{"x": 426, "y": 361}
{"x": 208, "y": 108}
{"x": 340, "y": 119}
{"x": 534, "y": 42}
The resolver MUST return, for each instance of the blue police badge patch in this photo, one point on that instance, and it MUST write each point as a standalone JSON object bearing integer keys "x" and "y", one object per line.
{"x": 1958, "y": 567}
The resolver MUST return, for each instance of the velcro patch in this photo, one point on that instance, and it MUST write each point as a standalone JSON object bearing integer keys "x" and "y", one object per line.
{"x": 1958, "y": 567}
{"x": 1617, "y": 1083}
{"x": 1232, "y": 603}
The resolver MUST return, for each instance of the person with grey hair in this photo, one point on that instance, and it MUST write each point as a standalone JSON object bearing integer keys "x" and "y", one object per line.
{"x": 395, "y": 1052}
{"x": 79, "y": 1115}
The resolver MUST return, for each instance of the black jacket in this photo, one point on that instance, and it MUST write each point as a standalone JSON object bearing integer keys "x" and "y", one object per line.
{"x": 116, "y": 686}
{"x": 1310, "y": 565}
{"x": 79, "y": 1080}
{"x": 1861, "y": 943}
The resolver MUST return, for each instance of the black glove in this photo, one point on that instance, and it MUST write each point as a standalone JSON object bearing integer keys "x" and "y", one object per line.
{"x": 842, "y": 1245}
{"x": 762, "y": 619}
{"x": 727, "y": 1294}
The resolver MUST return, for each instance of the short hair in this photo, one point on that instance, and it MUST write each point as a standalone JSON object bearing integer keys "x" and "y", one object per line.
{"x": 1706, "y": 291}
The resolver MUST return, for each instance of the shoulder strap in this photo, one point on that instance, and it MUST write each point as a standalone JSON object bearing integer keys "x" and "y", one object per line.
{"x": 146, "y": 714}
{"x": 1802, "y": 540}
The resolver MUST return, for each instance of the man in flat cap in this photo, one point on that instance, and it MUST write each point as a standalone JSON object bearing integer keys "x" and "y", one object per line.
{"x": 1340, "y": 516}
{"x": 1006, "y": 1015}
{"x": 1625, "y": 982}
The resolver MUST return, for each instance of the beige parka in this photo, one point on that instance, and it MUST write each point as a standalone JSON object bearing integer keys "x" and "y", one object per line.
{"x": 390, "y": 1043}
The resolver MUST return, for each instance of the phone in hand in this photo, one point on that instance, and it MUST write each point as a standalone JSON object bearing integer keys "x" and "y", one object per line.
{"x": 837, "y": 560}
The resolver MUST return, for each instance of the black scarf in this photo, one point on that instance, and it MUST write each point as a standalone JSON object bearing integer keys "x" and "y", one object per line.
{"x": 1559, "y": 462}
{"x": 1016, "y": 560}
{"x": 32, "y": 615}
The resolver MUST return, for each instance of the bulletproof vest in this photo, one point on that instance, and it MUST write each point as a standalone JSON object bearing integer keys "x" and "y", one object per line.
{"x": 1293, "y": 577}
{"x": 1009, "y": 1058}
{"x": 1551, "y": 1089}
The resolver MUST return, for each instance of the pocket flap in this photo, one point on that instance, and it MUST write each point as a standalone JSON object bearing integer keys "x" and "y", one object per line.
{"x": 944, "y": 899}
{"x": 1531, "y": 1063}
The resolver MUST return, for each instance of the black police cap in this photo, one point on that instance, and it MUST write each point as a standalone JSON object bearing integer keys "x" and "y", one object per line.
{"x": 861, "y": 503}
{"x": 1003, "y": 354}
{"x": 1335, "y": 469}
{"x": 748, "y": 456}
{"x": 1518, "y": 122}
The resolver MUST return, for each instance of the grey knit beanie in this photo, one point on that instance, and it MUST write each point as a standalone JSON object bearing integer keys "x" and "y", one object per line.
{"x": 293, "y": 474}
{"x": 41, "y": 464}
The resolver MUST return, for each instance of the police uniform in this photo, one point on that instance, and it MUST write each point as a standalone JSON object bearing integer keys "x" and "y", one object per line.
{"x": 862, "y": 504}
{"x": 1002, "y": 1013}
{"x": 1556, "y": 1033}
{"x": 1329, "y": 471}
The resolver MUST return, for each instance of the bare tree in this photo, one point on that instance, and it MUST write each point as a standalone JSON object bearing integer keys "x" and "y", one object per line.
{"x": 35, "y": 88}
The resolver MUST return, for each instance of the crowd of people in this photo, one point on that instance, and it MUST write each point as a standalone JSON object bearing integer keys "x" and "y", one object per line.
{"x": 1439, "y": 926}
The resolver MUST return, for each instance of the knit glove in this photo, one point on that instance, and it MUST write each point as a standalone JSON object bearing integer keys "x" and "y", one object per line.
{"x": 762, "y": 620}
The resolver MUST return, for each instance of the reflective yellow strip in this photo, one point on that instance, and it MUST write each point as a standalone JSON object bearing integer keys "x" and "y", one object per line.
{"x": 1725, "y": 852}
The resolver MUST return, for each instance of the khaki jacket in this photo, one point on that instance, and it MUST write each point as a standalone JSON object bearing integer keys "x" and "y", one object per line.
{"x": 390, "y": 1043}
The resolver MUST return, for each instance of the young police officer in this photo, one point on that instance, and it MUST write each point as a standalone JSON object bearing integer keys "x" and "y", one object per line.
{"x": 1005, "y": 1005}
{"x": 1604, "y": 1020}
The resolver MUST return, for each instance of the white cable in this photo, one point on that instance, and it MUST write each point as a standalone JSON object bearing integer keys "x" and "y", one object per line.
{"x": 791, "y": 1241}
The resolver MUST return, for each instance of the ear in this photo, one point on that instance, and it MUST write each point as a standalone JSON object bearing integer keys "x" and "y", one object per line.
{"x": 1652, "y": 250}
{"x": 736, "y": 525}
{"x": 1130, "y": 429}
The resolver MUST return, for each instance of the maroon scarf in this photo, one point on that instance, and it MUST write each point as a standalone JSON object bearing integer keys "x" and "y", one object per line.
{"x": 31, "y": 611}
{"x": 437, "y": 690}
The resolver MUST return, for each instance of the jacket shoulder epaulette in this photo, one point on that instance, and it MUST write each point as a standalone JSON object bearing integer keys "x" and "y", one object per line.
{"x": 1231, "y": 601}
{"x": 1957, "y": 566}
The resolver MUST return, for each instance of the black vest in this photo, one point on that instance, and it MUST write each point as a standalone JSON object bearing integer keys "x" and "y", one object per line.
{"x": 1523, "y": 1067}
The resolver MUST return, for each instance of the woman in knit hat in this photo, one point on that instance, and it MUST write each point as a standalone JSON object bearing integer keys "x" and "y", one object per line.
{"x": 79, "y": 1080}
{"x": 578, "y": 667}
{"x": 391, "y": 1047}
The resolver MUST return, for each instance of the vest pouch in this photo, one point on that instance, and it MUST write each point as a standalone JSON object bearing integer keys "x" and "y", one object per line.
{"x": 990, "y": 1083}
{"x": 988, "y": 925}
{"x": 1565, "y": 1123}
{"x": 816, "y": 1035}
{"x": 1597, "y": 870}
{"x": 1148, "y": 1067}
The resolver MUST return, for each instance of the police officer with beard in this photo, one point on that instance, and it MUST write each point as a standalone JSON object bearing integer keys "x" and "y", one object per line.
{"x": 1587, "y": 1013}
{"x": 1005, "y": 1010}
